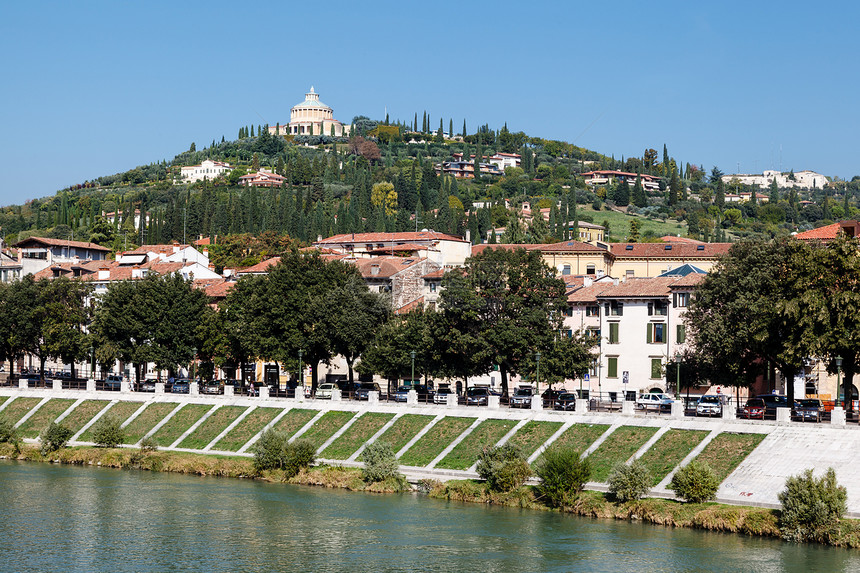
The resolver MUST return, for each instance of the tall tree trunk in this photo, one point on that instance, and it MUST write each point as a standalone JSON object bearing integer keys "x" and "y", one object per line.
{"x": 349, "y": 362}
{"x": 847, "y": 384}
{"x": 504, "y": 372}
{"x": 315, "y": 365}
{"x": 42, "y": 360}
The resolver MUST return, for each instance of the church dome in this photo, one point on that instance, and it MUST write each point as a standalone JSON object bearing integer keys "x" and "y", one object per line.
{"x": 312, "y": 100}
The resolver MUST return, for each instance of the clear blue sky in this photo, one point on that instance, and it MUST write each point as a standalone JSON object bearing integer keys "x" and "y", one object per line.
{"x": 95, "y": 88}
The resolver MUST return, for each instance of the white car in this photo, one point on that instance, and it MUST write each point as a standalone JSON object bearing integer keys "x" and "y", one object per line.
{"x": 710, "y": 405}
{"x": 325, "y": 391}
{"x": 654, "y": 400}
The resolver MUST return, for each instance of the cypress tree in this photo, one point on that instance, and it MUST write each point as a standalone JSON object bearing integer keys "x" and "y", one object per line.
{"x": 464, "y": 128}
{"x": 451, "y": 127}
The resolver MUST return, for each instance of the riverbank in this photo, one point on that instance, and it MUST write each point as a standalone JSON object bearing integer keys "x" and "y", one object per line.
{"x": 742, "y": 520}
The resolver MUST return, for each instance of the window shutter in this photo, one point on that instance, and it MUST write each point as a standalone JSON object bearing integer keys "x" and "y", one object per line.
{"x": 681, "y": 334}
{"x": 620, "y": 308}
{"x": 650, "y": 308}
{"x": 649, "y": 333}
{"x": 674, "y": 300}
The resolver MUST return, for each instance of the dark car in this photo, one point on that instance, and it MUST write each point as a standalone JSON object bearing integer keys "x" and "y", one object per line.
{"x": 754, "y": 409}
{"x": 477, "y": 396}
{"x": 364, "y": 390}
{"x": 550, "y": 395}
{"x": 565, "y": 402}
{"x": 807, "y": 409}
{"x": 113, "y": 382}
{"x": 212, "y": 387}
{"x": 401, "y": 394}
{"x": 522, "y": 397}
{"x": 181, "y": 386}
{"x": 772, "y": 402}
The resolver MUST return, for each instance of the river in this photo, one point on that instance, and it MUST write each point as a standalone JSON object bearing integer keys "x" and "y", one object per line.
{"x": 66, "y": 518}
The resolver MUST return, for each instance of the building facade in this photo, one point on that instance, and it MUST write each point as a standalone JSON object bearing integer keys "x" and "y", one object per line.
{"x": 311, "y": 117}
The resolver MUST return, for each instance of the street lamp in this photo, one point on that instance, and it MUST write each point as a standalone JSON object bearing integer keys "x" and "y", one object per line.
{"x": 301, "y": 378}
{"x": 838, "y": 361}
{"x": 537, "y": 374}
{"x": 412, "y": 379}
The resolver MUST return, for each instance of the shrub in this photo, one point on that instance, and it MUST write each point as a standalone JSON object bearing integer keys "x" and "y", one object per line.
{"x": 273, "y": 451}
{"x": 54, "y": 437}
{"x": 695, "y": 482}
{"x": 148, "y": 444}
{"x": 505, "y": 467}
{"x": 108, "y": 432}
{"x": 629, "y": 483}
{"x": 563, "y": 474}
{"x": 380, "y": 462}
{"x": 8, "y": 433}
{"x": 810, "y": 505}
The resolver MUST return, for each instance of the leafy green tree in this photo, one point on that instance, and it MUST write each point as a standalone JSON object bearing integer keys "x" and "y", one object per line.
{"x": 811, "y": 506}
{"x": 66, "y": 316}
{"x": 696, "y": 483}
{"x": 389, "y": 354}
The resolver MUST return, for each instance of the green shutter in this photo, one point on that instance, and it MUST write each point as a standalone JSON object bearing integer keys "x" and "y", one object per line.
{"x": 613, "y": 368}
{"x": 613, "y": 333}
{"x": 681, "y": 335}
{"x": 648, "y": 333}
{"x": 656, "y": 368}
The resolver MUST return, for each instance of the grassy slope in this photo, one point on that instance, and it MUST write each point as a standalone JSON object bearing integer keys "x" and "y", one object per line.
{"x": 361, "y": 431}
{"x": 184, "y": 419}
{"x": 147, "y": 420}
{"x": 727, "y": 450}
{"x": 326, "y": 426}
{"x": 43, "y": 417}
{"x": 213, "y": 426}
{"x": 246, "y": 429}
{"x": 617, "y": 448}
{"x": 435, "y": 440}
{"x": 20, "y": 406}
{"x": 670, "y": 449}
{"x": 619, "y": 223}
{"x": 83, "y": 413}
{"x": 404, "y": 429}
{"x": 464, "y": 454}
{"x": 533, "y": 435}
{"x": 121, "y": 411}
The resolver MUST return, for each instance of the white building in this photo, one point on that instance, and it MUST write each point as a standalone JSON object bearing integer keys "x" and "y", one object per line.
{"x": 802, "y": 179}
{"x": 174, "y": 253}
{"x": 311, "y": 117}
{"x": 439, "y": 248}
{"x": 208, "y": 169}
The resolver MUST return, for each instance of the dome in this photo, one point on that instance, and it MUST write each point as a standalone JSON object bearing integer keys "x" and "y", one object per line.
{"x": 312, "y": 99}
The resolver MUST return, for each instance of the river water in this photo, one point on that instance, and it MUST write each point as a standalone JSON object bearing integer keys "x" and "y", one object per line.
{"x": 66, "y": 518}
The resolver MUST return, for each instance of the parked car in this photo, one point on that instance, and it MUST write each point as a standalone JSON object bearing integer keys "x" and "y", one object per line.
{"x": 424, "y": 392}
{"x": 114, "y": 382}
{"x": 754, "y": 409}
{"x": 772, "y": 402}
{"x": 654, "y": 400}
{"x": 477, "y": 396}
{"x": 807, "y": 409}
{"x": 325, "y": 390}
{"x": 710, "y": 405}
{"x": 148, "y": 385}
{"x": 566, "y": 402}
{"x": 550, "y": 395}
{"x": 364, "y": 390}
{"x": 522, "y": 397}
{"x": 401, "y": 394}
{"x": 181, "y": 386}
{"x": 211, "y": 387}
{"x": 441, "y": 395}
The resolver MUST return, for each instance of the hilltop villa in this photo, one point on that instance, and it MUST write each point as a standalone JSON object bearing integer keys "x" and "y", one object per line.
{"x": 311, "y": 117}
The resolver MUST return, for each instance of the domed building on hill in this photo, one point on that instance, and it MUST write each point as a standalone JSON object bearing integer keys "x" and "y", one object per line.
{"x": 311, "y": 117}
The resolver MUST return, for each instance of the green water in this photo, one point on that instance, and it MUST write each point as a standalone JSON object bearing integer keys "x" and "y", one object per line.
{"x": 62, "y": 518}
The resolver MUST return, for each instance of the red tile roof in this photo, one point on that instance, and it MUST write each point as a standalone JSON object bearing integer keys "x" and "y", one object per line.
{"x": 640, "y": 287}
{"x": 667, "y": 250}
{"x": 61, "y": 243}
{"x": 384, "y": 267}
{"x": 410, "y": 306}
{"x": 824, "y": 233}
{"x": 674, "y": 239}
{"x": 261, "y": 267}
{"x": 388, "y": 237}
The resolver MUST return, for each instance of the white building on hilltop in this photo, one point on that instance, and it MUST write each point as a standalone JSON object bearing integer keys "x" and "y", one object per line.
{"x": 802, "y": 179}
{"x": 208, "y": 169}
{"x": 311, "y": 117}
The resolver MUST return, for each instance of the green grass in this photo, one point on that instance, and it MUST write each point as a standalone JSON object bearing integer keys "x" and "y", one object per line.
{"x": 617, "y": 448}
{"x": 670, "y": 449}
{"x": 357, "y": 434}
{"x": 43, "y": 417}
{"x": 121, "y": 411}
{"x": 326, "y": 426}
{"x": 533, "y": 435}
{"x": 3, "y": 399}
{"x": 619, "y": 223}
{"x": 727, "y": 451}
{"x": 293, "y": 421}
{"x": 83, "y": 413}
{"x": 178, "y": 424}
{"x": 20, "y": 406}
{"x": 214, "y": 425}
{"x": 147, "y": 420}
{"x": 464, "y": 454}
{"x": 404, "y": 429}
{"x": 246, "y": 429}
{"x": 435, "y": 440}
{"x": 578, "y": 437}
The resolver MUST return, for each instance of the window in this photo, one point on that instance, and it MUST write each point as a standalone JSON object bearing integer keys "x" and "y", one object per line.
{"x": 568, "y": 311}
{"x": 589, "y": 269}
{"x": 658, "y": 308}
{"x": 629, "y": 273}
{"x": 613, "y": 333}
{"x": 593, "y": 333}
{"x": 680, "y": 334}
{"x": 432, "y": 287}
{"x": 614, "y": 308}
{"x": 656, "y": 333}
{"x": 656, "y": 368}
{"x": 592, "y": 310}
{"x": 567, "y": 333}
{"x": 612, "y": 367}
{"x": 680, "y": 299}
{"x": 565, "y": 270}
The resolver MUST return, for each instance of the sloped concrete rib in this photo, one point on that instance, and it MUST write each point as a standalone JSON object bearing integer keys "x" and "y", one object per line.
{"x": 229, "y": 428}
{"x": 374, "y": 437}
{"x": 268, "y": 426}
{"x": 32, "y": 411}
{"x": 419, "y": 435}
{"x": 340, "y": 432}
{"x": 195, "y": 425}
{"x": 94, "y": 419}
{"x": 647, "y": 445}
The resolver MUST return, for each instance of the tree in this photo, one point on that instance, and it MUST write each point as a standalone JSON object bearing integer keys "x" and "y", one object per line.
{"x": 389, "y": 354}
{"x": 738, "y": 320}
{"x": 66, "y": 315}
{"x": 633, "y": 237}
{"x": 508, "y": 299}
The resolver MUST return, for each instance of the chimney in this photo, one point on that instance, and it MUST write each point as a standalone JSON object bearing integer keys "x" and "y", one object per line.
{"x": 468, "y": 235}
{"x": 104, "y": 273}
{"x": 175, "y": 247}
{"x": 136, "y": 273}
{"x": 588, "y": 282}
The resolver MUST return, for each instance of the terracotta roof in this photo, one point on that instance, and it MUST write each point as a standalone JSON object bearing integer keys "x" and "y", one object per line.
{"x": 261, "y": 267}
{"x": 216, "y": 288}
{"x": 568, "y": 247}
{"x": 640, "y": 287}
{"x": 435, "y": 274}
{"x": 589, "y": 294}
{"x": 666, "y": 250}
{"x": 821, "y": 233}
{"x": 674, "y": 239}
{"x": 408, "y": 248}
{"x": 688, "y": 281}
{"x": 392, "y": 237}
{"x": 160, "y": 249}
{"x": 61, "y": 243}
{"x": 410, "y": 306}
{"x": 384, "y": 267}
{"x": 203, "y": 242}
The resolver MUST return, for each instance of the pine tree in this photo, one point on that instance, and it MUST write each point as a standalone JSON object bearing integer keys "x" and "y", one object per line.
{"x": 464, "y": 128}
{"x": 720, "y": 195}
{"x": 574, "y": 216}
{"x": 252, "y": 130}
{"x": 674, "y": 185}
{"x": 451, "y": 127}
{"x": 639, "y": 197}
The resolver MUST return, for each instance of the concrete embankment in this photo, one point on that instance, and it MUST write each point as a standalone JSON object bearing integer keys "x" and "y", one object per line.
{"x": 442, "y": 442}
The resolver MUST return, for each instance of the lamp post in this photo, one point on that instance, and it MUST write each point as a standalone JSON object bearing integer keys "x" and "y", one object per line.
{"x": 301, "y": 378}
{"x": 838, "y": 361}
{"x": 677, "y": 374}
{"x": 412, "y": 379}
{"x": 537, "y": 374}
